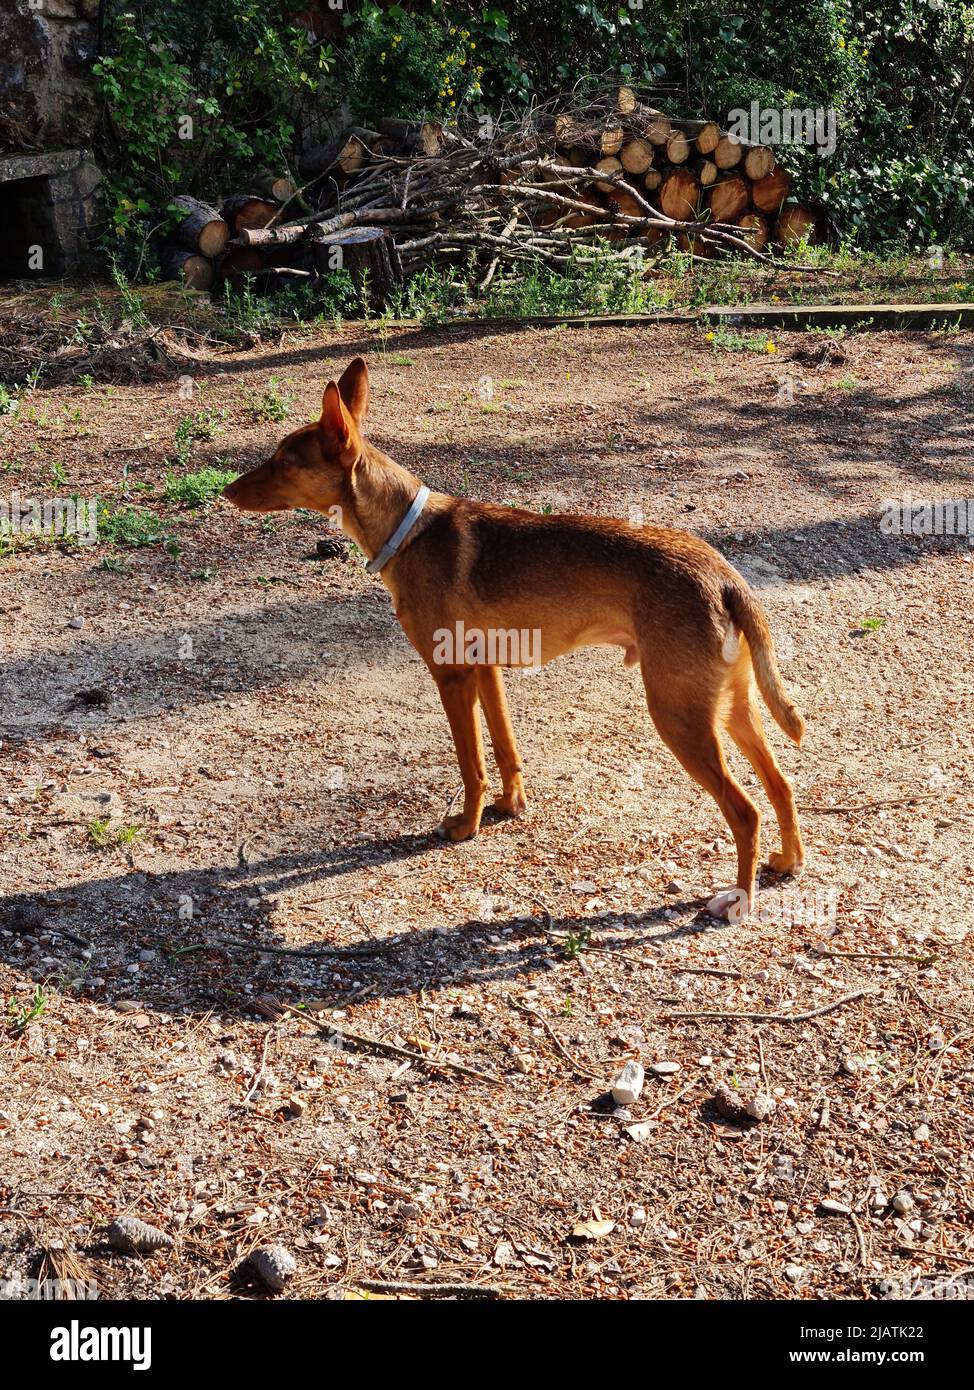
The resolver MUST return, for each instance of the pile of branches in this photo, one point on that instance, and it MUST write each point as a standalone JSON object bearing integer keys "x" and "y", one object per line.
{"x": 385, "y": 203}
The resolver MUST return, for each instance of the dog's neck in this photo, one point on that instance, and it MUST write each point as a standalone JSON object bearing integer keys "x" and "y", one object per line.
{"x": 379, "y": 494}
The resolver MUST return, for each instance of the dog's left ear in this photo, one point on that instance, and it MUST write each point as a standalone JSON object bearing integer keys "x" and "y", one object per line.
{"x": 354, "y": 388}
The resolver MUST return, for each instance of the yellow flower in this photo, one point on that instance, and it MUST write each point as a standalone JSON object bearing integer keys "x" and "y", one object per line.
{"x": 453, "y": 103}
{"x": 960, "y": 284}
{"x": 842, "y": 43}
{"x": 710, "y": 337}
{"x": 382, "y": 57}
{"x": 776, "y": 299}
{"x": 769, "y": 346}
{"x": 473, "y": 46}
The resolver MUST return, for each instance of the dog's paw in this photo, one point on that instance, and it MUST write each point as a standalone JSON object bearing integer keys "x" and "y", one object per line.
{"x": 511, "y": 803}
{"x": 783, "y": 863}
{"x": 457, "y": 828}
{"x": 730, "y": 905}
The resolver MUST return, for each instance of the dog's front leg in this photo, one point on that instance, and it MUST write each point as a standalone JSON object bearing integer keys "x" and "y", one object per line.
{"x": 458, "y": 691}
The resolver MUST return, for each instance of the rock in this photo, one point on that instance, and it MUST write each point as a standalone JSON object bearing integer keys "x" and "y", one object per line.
{"x": 134, "y": 1237}
{"x": 921, "y": 1134}
{"x": 760, "y": 1106}
{"x": 275, "y": 1265}
{"x": 77, "y": 622}
{"x": 903, "y": 1203}
{"x": 794, "y": 1273}
{"x": 637, "y": 1217}
{"x": 832, "y": 1208}
{"x": 295, "y": 1107}
{"x": 665, "y": 1068}
{"x": 628, "y": 1085}
{"x": 850, "y": 1066}
{"x": 674, "y": 886}
{"x": 879, "y": 1201}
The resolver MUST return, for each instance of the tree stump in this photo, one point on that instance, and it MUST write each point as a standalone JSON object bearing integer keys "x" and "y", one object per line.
{"x": 368, "y": 255}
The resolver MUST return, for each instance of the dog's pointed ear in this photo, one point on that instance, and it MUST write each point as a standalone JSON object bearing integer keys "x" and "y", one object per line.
{"x": 354, "y": 388}
{"x": 335, "y": 420}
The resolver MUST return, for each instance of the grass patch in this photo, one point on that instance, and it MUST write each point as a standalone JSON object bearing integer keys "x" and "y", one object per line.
{"x": 197, "y": 489}
{"x": 271, "y": 404}
{"x": 130, "y": 526}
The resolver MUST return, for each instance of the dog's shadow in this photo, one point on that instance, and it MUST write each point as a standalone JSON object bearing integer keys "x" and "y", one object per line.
{"x": 212, "y": 937}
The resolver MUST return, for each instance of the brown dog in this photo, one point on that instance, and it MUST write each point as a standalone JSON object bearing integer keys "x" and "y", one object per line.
{"x": 478, "y": 587}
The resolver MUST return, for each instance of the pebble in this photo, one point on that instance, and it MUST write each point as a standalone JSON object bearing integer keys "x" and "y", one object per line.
{"x": 850, "y": 1066}
{"x": 275, "y": 1264}
{"x": 674, "y": 886}
{"x": 665, "y": 1068}
{"x": 921, "y": 1133}
{"x": 628, "y": 1085}
{"x": 637, "y": 1216}
{"x": 760, "y": 1106}
{"x": 903, "y": 1203}
{"x": 834, "y": 1208}
{"x": 794, "y": 1273}
{"x": 879, "y": 1201}
{"x": 77, "y": 622}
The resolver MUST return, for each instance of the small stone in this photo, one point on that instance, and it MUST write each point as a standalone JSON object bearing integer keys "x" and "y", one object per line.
{"x": 665, "y": 1068}
{"x": 850, "y": 1065}
{"x": 77, "y": 622}
{"x": 296, "y": 1107}
{"x": 921, "y": 1134}
{"x": 903, "y": 1203}
{"x": 275, "y": 1265}
{"x": 637, "y": 1217}
{"x": 794, "y": 1273}
{"x": 134, "y": 1237}
{"x": 833, "y": 1208}
{"x": 760, "y": 1106}
{"x": 674, "y": 886}
{"x": 879, "y": 1201}
{"x": 628, "y": 1085}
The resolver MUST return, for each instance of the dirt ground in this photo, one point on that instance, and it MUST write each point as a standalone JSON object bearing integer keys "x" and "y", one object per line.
{"x": 270, "y": 759}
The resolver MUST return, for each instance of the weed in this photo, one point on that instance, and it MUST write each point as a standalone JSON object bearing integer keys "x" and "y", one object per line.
{"x": 23, "y": 1015}
{"x": 197, "y": 489}
{"x": 129, "y": 526}
{"x": 271, "y": 404}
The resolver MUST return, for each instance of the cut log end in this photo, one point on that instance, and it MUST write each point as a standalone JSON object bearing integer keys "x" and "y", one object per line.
{"x": 194, "y": 271}
{"x": 202, "y": 229}
{"x": 679, "y": 194}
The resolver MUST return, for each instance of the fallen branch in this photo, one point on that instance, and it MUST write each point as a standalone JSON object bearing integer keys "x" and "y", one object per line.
{"x": 782, "y": 1018}
{"x": 434, "y": 1290}
{"x": 391, "y": 1050}
{"x": 556, "y": 1041}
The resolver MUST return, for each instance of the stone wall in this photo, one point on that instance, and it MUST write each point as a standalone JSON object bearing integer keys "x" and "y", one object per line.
{"x": 48, "y": 110}
{"x": 47, "y": 48}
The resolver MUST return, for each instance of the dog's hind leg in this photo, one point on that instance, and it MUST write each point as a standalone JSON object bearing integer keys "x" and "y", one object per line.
{"x": 746, "y": 729}
{"x": 493, "y": 697}
{"x": 687, "y": 723}
{"x": 458, "y": 691}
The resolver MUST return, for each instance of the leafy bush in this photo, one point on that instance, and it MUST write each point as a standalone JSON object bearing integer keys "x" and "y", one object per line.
{"x": 401, "y": 64}
{"x": 195, "y": 92}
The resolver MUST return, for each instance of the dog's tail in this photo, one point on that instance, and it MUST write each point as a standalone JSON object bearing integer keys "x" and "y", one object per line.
{"x": 748, "y": 615}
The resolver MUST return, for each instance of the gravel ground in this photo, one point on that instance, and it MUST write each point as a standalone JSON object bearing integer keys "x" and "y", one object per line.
{"x": 236, "y": 753}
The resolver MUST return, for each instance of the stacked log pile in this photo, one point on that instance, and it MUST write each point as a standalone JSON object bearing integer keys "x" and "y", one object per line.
{"x": 383, "y": 203}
